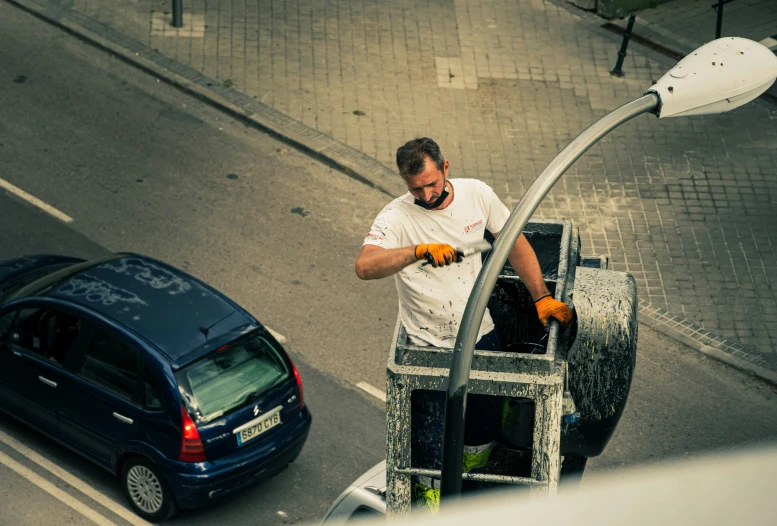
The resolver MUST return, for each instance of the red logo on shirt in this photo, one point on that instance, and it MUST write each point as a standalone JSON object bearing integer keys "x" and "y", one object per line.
{"x": 473, "y": 227}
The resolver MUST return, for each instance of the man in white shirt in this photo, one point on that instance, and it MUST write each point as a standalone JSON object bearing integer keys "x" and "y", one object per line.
{"x": 437, "y": 217}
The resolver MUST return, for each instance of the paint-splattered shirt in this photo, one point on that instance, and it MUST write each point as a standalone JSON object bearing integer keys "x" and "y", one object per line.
{"x": 432, "y": 300}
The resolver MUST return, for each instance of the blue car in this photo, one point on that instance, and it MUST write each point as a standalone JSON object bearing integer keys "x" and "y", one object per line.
{"x": 149, "y": 373}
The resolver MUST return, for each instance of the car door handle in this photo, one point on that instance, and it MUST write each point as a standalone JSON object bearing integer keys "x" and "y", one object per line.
{"x": 17, "y": 353}
{"x": 47, "y": 381}
{"x": 122, "y": 418}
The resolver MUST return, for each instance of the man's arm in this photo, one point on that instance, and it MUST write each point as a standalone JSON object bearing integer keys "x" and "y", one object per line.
{"x": 376, "y": 262}
{"x": 524, "y": 261}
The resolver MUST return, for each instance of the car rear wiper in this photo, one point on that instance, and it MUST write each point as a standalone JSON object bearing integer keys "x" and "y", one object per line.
{"x": 265, "y": 389}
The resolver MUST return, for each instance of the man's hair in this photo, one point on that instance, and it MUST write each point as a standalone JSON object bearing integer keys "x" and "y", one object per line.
{"x": 412, "y": 155}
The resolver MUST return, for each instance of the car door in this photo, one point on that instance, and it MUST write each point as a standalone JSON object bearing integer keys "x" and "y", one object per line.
{"x": 100, "y": 410}
{"x": 35, "y": 345}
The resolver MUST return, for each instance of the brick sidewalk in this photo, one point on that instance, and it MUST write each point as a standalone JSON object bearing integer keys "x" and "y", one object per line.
{"x": 684, "y": 205}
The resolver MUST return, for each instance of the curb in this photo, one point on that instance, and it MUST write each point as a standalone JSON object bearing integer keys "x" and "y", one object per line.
{"x": 731, "y": 353}
{"x": 318, "y": 145}
{"x": 352, "y": 162}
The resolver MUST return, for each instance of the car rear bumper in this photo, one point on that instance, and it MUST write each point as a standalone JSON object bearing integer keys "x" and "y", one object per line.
{"x": 194, "y": 490}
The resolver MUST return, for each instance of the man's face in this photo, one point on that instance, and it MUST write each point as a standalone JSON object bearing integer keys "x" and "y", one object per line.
{"x": 429, "y": 184}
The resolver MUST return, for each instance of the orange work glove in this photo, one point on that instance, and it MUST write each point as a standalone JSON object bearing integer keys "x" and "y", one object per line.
{"x": 548, "y": 307}
{"x": 438, "y": 254}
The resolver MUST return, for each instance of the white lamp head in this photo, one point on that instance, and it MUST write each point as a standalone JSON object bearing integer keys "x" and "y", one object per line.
{"x": 718, "y": 77}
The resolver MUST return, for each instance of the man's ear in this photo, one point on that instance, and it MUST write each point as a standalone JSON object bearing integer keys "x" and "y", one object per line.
{"x": 445, "y": 168}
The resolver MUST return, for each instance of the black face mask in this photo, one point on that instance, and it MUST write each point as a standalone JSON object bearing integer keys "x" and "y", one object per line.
{"x": 437, "y": 202}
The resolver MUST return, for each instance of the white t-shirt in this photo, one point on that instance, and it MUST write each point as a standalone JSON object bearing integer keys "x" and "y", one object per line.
{"x": 432, "y": 300}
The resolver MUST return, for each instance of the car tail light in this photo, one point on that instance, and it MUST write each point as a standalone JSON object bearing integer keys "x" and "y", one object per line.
{"x": 192, "y": 449}
{"x": 299, "y": 384}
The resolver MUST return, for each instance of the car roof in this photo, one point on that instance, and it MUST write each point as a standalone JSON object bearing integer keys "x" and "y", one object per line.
{"x": 172, "y": 310}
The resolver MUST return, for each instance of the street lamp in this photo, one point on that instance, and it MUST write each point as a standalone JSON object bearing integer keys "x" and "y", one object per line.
{"x": 718, "y": 77}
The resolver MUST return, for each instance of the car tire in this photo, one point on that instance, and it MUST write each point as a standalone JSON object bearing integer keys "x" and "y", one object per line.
{"x": 146, "y": 490}
{"x": 572, "y": 468}
{"x": 294, "y": 457}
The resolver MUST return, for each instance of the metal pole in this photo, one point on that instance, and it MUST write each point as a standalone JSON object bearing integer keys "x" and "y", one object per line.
{"x": 455, "y": 406}
{"x": 617, "y": 71}
{"x": 719, "y": 25}
{"x": 177, "y": 13}
{"x": 719, "y": 9}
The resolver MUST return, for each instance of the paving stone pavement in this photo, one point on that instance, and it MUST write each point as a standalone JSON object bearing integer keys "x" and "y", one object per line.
{"x": 684, "y": 205}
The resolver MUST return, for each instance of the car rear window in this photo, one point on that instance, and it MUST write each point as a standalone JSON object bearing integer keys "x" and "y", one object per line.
{"x": 230, "y": 376}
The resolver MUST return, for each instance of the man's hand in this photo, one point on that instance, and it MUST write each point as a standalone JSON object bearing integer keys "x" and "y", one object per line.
{"x": 548, "y": 307}
{"x": 438, "y": 254}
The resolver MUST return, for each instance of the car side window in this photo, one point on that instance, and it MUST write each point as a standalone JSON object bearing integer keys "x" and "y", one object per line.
{"x": 110, "y": 364}
{"x": 24, "y": 329}
{"x": 152, "y": 398}
{"x": 46, "y": 332}
{"x": 6, "y": 322}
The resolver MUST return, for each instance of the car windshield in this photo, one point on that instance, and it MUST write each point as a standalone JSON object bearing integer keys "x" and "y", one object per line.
{"x": 226, "y": 378}
{"x": 11, "y": 286}
{"x": 41, "y": 286}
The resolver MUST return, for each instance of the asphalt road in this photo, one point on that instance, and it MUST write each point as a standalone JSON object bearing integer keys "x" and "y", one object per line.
{"x": 141, "y": 167}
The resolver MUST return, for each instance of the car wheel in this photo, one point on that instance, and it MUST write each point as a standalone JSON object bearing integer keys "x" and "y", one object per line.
{"x": 572, "y": 468}
{"x": 146, "y": 490}
{"x": 295, "y": 456}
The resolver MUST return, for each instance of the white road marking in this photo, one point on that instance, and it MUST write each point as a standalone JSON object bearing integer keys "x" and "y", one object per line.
{"x": 35, "y": 201}
{"x": 278, "y": 336}
{"x": 374, "y": 391}
{"x": 54, "y": 491}
{"x": 76, "y": 483}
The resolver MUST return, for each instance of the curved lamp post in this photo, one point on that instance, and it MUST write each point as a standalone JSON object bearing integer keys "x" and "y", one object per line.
{"x": 718, "y": 77}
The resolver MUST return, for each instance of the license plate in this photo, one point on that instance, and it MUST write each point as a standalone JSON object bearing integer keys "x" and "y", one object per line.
{"x": 251, "y": 432}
